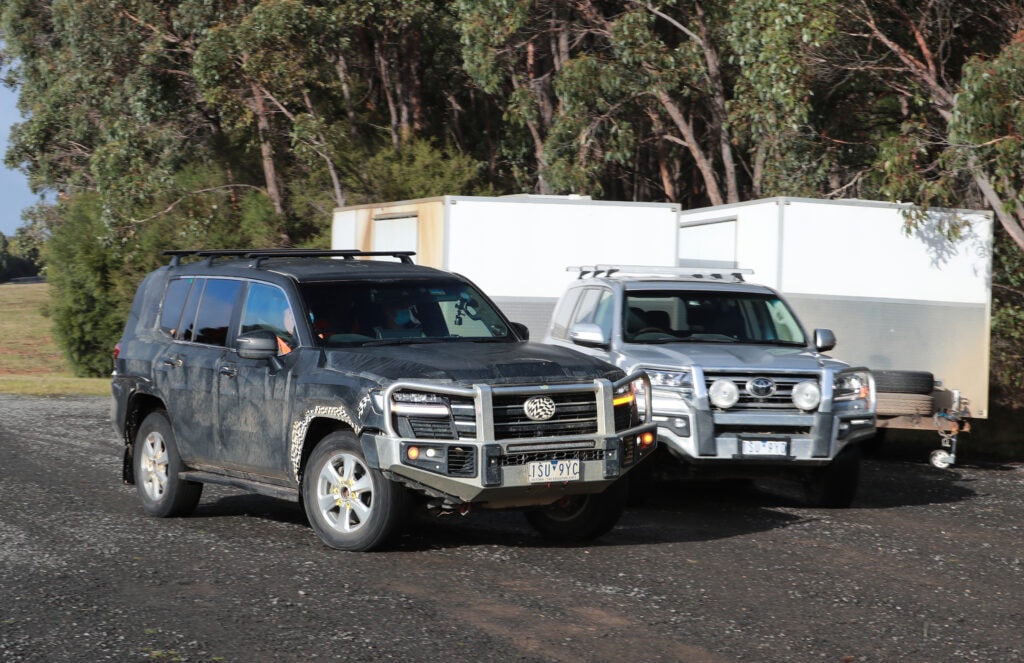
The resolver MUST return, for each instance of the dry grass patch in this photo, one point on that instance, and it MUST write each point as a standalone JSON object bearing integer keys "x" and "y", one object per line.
{"x": 30, "y": 361}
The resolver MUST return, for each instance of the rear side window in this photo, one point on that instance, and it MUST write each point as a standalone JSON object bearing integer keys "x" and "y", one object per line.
{"x": 199, "y": 310}
{"x": 174, "y": 303}
{"x": 215, "y": 311}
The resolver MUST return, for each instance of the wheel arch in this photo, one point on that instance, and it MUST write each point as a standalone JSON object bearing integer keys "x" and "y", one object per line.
{"x": 139, "y": 407}
{"x": 308, "y": 433}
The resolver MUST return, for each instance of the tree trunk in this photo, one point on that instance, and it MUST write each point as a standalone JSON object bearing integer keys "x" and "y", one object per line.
{"x": 341, "y": 67}
{"x": 718, "y": 107}
{"x": 385, "y": 82}
{"x": 266, "y": 149}
{"x": 689, "y": 141}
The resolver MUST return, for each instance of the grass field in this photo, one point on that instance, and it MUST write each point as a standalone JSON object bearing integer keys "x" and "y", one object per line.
{"x": 30, "y": 361}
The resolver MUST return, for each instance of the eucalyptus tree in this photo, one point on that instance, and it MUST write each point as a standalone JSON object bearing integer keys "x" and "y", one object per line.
{"x": 953, "y": 67}
{"x": 695, "y": 99}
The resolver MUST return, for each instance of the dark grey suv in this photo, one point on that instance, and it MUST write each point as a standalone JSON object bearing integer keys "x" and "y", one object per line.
{"x": 362, "y": 385}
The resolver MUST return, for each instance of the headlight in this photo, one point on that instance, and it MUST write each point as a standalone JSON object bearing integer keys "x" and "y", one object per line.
{"x": 807, "y": 395}
{"x": 672, "y": 380}
{"x": 627, "y": 393}
{"x": 852, "y": 386}
{"x": 419, "y": 404}
{"x": 724, "y": 393}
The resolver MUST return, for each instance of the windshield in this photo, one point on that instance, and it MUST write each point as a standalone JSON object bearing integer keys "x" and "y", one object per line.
{"x": 668, "y": 316}
{"x": 358, "y": 313}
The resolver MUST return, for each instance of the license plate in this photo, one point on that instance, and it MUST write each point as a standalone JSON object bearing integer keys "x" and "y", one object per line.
{"x": 764, "y": 447}
{"x": 548, "y": 471}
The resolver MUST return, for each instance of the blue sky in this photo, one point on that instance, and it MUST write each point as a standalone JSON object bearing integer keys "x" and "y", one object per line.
{"x": 14, "y": 193}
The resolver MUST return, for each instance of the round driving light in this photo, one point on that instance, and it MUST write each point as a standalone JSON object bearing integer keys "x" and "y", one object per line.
{"x": 413, "y": 453}
{"x": 806, "y": 395}
{"x": 724, "y": 393}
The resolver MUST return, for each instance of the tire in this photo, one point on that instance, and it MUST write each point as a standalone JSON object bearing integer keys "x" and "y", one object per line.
{"x": 581, "y": 517}
{"x": 904, "y": 382}
{"x": 350, "y": 505}
{"x": 941, "y": 459}
{"x": 835, "y": 486}
{"x": 156, "y": 466}
{"x": 898, "y": 404}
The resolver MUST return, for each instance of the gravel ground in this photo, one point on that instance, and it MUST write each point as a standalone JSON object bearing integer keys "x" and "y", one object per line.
{"x": 926, "y": 567}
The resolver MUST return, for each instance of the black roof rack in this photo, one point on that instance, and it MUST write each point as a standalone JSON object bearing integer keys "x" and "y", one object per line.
{"x": 258, "y": 255}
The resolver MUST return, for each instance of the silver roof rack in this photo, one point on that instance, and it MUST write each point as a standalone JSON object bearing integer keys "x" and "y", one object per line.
{"x": 733, "y": 275}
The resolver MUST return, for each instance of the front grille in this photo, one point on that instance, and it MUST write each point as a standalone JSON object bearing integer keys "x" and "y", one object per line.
{"x": 781, "y": 400}
{"x": 514, "y": 459}
{"x": 575, "y": 414}
{"x": 625, "y": 416}
{"x": 464, "y": 417}
{"x": 462, "y": 461}
{"x": 431, "y": 428}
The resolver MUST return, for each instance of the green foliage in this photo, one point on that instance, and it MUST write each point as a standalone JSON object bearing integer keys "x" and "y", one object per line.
{"x": 197, "y": 124}
{"x": 13, "y": 266}
{"x": 987, "y": 129}
{"x": 82, "y": 268}
{"x": 417, "y": 169}
{"x": 1007, "y": 350}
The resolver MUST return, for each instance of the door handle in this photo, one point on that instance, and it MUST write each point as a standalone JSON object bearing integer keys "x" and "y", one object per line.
{"x": 173, "y": 362}
{"x": 228, "y": 371}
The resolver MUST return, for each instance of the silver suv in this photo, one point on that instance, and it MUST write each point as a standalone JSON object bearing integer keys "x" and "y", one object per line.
{"x": 361, "y": 387}
{"x": 739, "y": 388}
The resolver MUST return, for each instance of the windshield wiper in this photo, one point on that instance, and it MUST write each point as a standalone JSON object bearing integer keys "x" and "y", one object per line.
{"x": 408, "y": 340}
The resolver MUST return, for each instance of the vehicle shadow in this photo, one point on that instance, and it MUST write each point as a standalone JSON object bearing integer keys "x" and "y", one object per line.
{"x": 224, "y": 503}
{"x": 674, "y": 511}
{"x": 886, "y": 484}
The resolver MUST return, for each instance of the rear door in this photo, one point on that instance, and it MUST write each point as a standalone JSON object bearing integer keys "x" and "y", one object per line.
{"x": 188, "y": 367}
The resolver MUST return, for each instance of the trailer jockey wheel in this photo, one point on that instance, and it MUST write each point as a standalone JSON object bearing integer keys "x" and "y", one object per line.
{"x": 941, "y": 459}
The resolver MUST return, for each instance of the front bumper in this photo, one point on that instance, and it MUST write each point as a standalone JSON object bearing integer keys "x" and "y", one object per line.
{"x": 706, "y": 438}
{"x": 499, "y": 473}
{"x": 488, "y": 455}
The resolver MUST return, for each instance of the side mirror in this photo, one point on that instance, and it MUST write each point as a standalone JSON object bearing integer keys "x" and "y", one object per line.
{"x": 521, "y": 330}
{"x": 588, "y": 334}
{"x": 259, "y": 344}
{"x": 824, "y": 340}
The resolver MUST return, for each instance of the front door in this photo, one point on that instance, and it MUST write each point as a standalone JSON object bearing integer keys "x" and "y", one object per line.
{"x": 253, "y": 395}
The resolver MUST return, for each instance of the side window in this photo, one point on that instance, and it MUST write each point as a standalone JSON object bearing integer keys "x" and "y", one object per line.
{"x": 174, "y": 303}
{"x": 215, "y": 311}
{"x": 604, "y": 312}
{"x": 267, "y": 308}
{"x": 187, "y": 329}
{"x": 587, "y": 307}
{"x": 560, "y": 320}
{"x": 596, "y": 306}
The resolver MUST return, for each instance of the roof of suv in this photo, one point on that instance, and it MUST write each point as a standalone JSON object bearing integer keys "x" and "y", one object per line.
{"x": 642, "y": 277}
{"x": 304, "y": 265}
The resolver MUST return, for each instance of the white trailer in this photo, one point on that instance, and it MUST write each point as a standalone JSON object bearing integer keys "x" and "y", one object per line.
{"x": 896, "y": 301}
{"x": 516, "y": 248}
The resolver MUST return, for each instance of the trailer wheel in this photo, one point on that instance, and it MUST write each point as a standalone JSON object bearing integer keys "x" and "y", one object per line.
{"x": 904, "y": 382}
{"x": 941, "y": 459}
